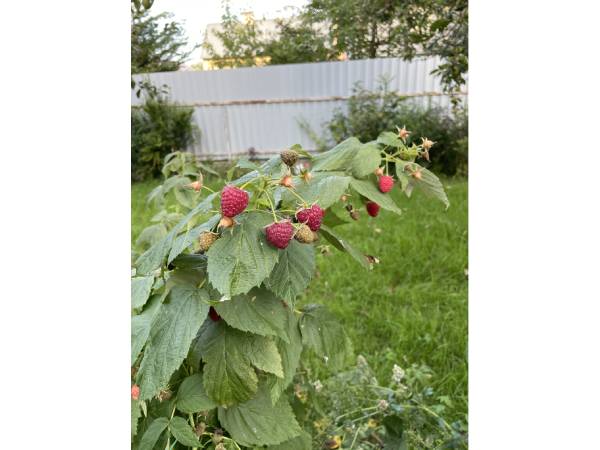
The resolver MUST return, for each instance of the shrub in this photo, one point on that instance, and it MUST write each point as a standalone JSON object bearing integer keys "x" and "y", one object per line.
{"x": 158, "y": 128}
{"x": 217, "y": 337}
{"x": 354, "y": 409}
{"x": 371, "y": 113}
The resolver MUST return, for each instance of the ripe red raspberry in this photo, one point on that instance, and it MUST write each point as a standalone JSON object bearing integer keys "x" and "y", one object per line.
{"x": 311, "y": 216}
{"x": 233, "y": 201}
{"x": 280, "y": 233}
{"x": 386, "y": 183}
{"x": 135, "y": 392}
{"x": 372, "y": 209}
{"x": 213, "y": 314}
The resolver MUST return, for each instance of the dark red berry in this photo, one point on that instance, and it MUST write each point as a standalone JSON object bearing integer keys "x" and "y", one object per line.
{"x": 372, "y": 209}
{"x": 213, "y": 314}
{"x": 233, "y": 201}
{"x": 280, "y": 233}
{"x": 311, "y": 216}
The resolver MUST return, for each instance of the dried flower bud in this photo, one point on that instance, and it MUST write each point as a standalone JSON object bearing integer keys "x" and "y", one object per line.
{"x": 379, "y": 171}
{"x": 225, "y": 222}
{"x": 286, "y": 181}
{"x": 164, "y": 394}
{"x": 416, "y": 174}
{"x": 426, "y": 144}
{"x": 196, "y": 185}
{"x": 403, "y": 133}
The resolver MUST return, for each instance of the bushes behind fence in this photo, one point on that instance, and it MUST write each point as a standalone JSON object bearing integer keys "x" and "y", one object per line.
{"x": 369, "y": 113}
{"x": 158, "y": 127}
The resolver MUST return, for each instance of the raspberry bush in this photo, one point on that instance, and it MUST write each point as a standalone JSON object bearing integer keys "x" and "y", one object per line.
{"x": 216, "y": 335}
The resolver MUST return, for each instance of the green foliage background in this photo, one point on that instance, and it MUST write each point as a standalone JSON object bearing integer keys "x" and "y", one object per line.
{"x": 158, "y": 128}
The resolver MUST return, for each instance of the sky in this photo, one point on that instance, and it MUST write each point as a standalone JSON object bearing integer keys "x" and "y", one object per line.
{"x": 194, "y": 15}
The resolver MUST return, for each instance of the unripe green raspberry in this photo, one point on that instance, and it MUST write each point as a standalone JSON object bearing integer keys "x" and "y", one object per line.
{"x": 305, "y": 234}
{"x": 205, "y": 240}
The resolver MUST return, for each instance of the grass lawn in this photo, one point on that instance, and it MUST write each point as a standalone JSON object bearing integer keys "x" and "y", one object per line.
{"x": 412, "y": 308}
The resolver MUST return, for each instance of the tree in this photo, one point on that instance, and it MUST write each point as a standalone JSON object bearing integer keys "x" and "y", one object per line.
{"x": 298, "y": 41}
{"x": 242, "y": 42}
{"x": 157, "y": 44}
{"x": 402, "y": 28}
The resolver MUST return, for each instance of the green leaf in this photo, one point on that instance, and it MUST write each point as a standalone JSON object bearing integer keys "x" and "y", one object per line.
{"x": 293, "y": 272}
{"x": 290, "y": 357}
{"x": 298, "y": 149}
{"x": 136, "y": 413}
{"x": 301, "y": 442}
{"x": 332, "y": 219}
{"x": 367, "y": 188}
{"x": 242, "y": 258}
{"x": 259, "y": 422}
{"x": 141, "y": 325}
{"x": 402, "y": 177}
{"x": 263, "y": 354}
{"x": 182, "y": 431}
{"x": 258, "y": 312}
{"x": 323, "y": 333}
{"x": 324, "y": 189}
{"x": 170, "y": 337}
{"x": 151, "y": 235}
{"x": 339, "y": 157}
{"x": 186, "y": 239}
{"x": 228, "y": 375}
{"x": 191, "y": 396}
{"x": 429, "y": 183}
{"x": 390, "y": 139}
{"x": 184, "y": 196}
{"x": 343, "y": 245}
{"x": 269, "y": 167}
{"x": 153, "y": 433}
{"x": 206, "y": 168}
{"x": 191, "y": 261}
{"x": 245, "y": 163}
{"x": 367, "y": 159}
{"x": 140, "y": 290}
{"x": 153, "y": 258}
{"x": 229, "y": 355}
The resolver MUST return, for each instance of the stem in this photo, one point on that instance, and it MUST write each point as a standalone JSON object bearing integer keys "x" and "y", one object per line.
{"x": 208, "y": 189}
{"x": 271, "y": 205}
{"x": 193, "y": 427}
{"x": 304, "y": 203}
{"x": 354, "y": 440}
{"x": 355, "y": 411}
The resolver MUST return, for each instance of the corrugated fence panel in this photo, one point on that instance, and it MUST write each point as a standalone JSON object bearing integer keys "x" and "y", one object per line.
{"x": 260, "y": 108}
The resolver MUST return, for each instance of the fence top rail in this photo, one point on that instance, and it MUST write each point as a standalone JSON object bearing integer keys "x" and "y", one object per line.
{"x": 331, "y": 98}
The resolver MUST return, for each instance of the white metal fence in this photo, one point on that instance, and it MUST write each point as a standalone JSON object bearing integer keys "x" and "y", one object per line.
{"x": 259, "y": 109}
